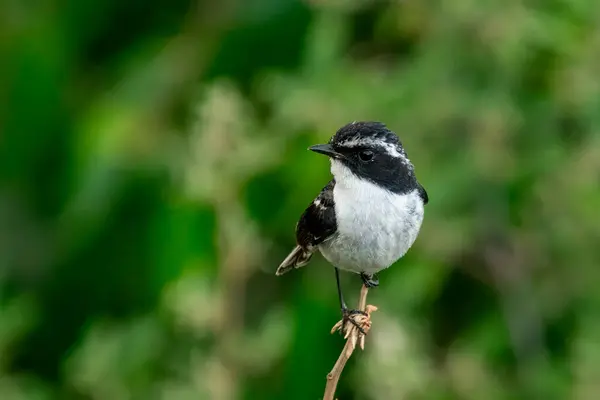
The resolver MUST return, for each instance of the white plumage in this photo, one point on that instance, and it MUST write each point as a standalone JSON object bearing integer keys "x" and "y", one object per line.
{"x": 375, "y": 227}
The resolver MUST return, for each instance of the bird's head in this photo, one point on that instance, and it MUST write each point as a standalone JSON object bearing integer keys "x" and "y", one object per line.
{"x": 369, "y": 151}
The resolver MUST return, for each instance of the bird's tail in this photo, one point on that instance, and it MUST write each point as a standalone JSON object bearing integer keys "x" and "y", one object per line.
{"x": 299, "y": 257}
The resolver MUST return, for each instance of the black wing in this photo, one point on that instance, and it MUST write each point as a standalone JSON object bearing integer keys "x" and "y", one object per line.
{"x": 423, "y": 194}
{"x": 316, "y": 225}
{"x": 318, "y": 222}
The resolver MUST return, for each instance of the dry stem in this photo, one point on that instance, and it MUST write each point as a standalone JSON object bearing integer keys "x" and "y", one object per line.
{"x": 352, "y": 336}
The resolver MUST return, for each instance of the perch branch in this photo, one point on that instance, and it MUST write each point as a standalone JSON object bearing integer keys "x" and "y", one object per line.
{"x": 352, "y": 336}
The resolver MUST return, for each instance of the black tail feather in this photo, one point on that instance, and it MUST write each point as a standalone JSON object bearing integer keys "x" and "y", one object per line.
{"x": 299, "y": 257}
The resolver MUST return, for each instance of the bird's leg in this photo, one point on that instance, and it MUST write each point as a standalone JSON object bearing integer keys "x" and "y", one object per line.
{"x": 346, "y": 313}
{"x": 370, "y": 281}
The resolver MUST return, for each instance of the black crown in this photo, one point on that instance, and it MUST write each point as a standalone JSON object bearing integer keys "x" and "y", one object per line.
{"x": 361, "y": 130}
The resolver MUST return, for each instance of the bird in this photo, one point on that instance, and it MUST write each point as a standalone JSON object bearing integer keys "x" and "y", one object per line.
{"x": 369, "y": 214}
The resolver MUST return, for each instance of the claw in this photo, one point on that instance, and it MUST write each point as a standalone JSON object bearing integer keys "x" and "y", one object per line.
{"x": 347, "y": 316}
{"x": 360, "y": 319}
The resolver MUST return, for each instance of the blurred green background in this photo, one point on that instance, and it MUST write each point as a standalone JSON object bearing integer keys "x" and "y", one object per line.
{"x": 153, "y": 166}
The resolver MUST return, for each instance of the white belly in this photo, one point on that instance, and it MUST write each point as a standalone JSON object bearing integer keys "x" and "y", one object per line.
{"x": 375, "y": 226}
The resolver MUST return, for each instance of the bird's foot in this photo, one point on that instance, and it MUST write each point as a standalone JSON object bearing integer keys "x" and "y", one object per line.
{"x": 370, "y": 281}
{"x": 351, "y": 316}
{"x": 351, "y": 319}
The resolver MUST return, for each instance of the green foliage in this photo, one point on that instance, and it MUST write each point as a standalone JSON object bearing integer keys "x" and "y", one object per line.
{"x": 153, "y": 166}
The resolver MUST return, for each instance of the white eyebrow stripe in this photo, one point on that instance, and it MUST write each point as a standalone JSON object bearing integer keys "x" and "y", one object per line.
{"x": 390, "y": 148}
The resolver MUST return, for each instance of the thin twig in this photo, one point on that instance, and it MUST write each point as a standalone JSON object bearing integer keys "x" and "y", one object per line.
{"x": 352, "y": 336}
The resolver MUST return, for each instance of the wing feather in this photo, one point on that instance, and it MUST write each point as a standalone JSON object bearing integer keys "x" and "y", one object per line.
{"x": 317, "y": 224}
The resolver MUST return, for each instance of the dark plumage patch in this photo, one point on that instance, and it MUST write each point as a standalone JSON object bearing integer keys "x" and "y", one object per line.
{"x": 316, "y": 225}
{"x": 423, "y": 194}
{"x": 318, "y": 221}
{"x": 373, "y": 130}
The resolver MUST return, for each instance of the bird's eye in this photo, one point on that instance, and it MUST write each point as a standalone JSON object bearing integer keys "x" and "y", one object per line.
{"x": 365, "y": 155}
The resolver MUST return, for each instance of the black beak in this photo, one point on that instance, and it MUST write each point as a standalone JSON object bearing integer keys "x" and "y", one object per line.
{"x": 326, "y": 149}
